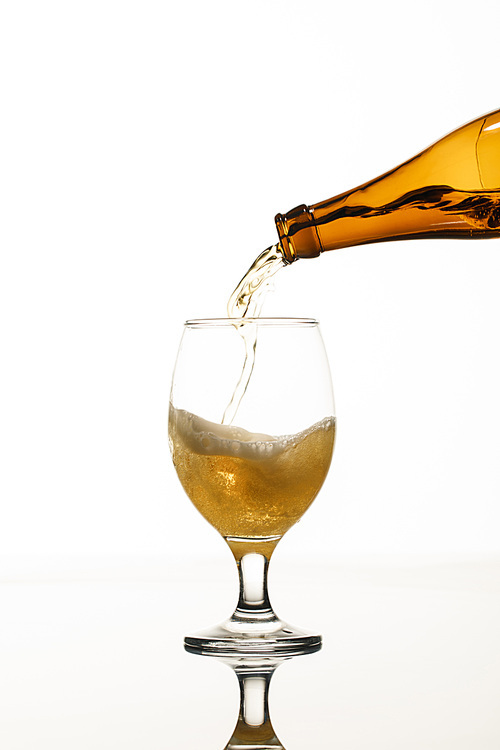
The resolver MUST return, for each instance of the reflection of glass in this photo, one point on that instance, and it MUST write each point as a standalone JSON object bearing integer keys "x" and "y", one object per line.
{"x": 254, "y": 479}
{"x": 253, "y": 728}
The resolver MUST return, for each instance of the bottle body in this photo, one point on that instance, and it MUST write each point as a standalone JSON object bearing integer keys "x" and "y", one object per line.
{"x": 450, "y": 190}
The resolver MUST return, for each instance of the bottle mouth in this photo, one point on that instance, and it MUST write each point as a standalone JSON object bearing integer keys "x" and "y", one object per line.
{"x": 298, "y": 233}
{"x": 261, "y": 322}
{"x": 285, "y": 245}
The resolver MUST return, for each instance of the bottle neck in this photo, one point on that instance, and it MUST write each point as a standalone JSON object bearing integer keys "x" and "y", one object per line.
{"x": 298, "y": 235}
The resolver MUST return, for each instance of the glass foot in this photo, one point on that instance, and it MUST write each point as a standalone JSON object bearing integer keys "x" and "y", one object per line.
{"x": 251, "y": 639}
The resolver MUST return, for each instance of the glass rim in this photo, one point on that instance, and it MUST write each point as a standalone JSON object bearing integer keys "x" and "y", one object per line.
{"x": 223, "y": 322}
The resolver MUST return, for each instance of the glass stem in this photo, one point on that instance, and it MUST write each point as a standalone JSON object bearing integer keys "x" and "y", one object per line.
{"x": 254, "y": 598}
{"x": 252, "y": 559}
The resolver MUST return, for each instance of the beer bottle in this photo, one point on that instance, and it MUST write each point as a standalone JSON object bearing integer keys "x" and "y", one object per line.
{"x": 450, "y": 190}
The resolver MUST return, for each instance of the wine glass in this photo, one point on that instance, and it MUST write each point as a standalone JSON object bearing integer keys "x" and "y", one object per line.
{"x": 251, "y": 432}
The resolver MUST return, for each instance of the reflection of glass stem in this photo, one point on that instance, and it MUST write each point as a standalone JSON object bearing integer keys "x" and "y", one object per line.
{"x": 254, "y": 728}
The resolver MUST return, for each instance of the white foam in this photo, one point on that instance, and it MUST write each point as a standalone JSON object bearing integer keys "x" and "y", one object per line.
{"x": 213, "y": 439}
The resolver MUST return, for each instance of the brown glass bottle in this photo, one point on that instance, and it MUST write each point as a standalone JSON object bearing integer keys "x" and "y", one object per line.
{"x": 450, "y": 190}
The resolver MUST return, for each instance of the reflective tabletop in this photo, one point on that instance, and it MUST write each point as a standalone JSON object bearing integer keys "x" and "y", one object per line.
{"x": 92, "y": 656}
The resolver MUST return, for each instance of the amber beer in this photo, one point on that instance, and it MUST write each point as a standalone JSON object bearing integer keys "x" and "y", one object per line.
{"x": 450, "y": 190}
{"x": 249, "y": 485}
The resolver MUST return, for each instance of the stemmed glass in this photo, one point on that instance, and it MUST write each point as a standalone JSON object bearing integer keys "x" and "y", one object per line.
{"x": 252, "y": 478}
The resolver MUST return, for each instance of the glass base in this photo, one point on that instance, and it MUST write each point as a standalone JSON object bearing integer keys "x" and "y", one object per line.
{"x": 233, "y": 637}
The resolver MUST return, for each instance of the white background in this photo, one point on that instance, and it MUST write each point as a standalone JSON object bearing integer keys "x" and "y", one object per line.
{"x": 145, "y": 149}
